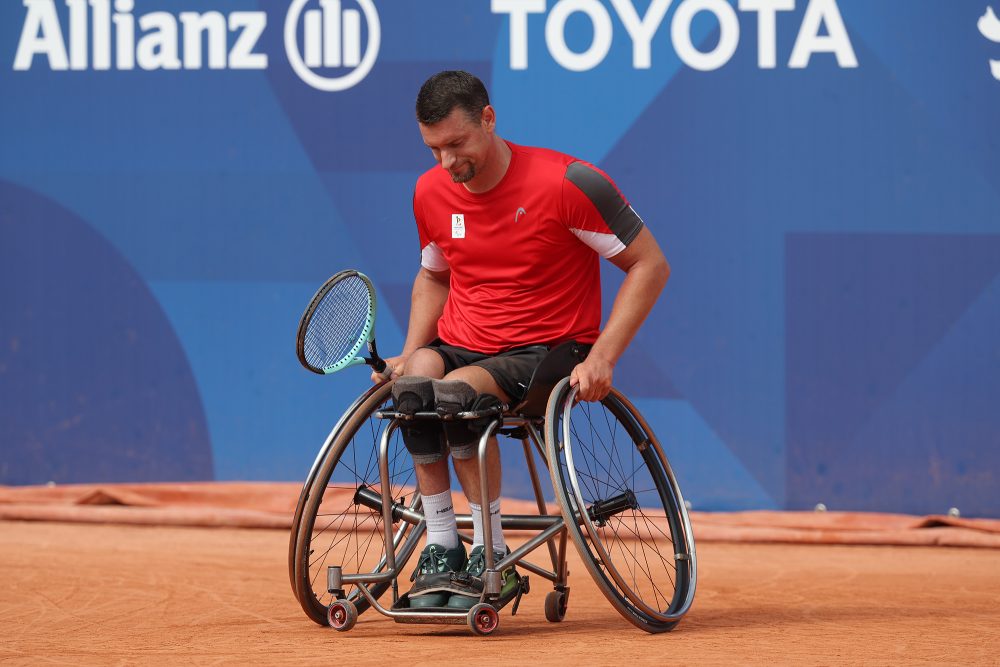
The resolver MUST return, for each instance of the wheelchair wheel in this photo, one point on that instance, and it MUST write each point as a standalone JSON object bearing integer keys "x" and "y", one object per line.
{"x": 333, "y": 526}
{"x": 622, "y": 506}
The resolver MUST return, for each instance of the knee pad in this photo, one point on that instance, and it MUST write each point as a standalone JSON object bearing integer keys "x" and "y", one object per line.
{"x": 463, "y": 435}
{"x": 413, "y": 393}
{"x": 423, "y": 439}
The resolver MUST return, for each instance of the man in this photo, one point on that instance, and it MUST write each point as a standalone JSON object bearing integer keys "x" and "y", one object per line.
{"x": 510, "y": 241}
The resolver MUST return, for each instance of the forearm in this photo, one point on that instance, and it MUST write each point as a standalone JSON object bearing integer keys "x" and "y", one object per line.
{"x": 635, "y": 299}
{"x": 430, "y": 292}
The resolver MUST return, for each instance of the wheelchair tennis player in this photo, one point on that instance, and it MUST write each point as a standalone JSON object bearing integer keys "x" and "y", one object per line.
{"x": 510, "y": 239}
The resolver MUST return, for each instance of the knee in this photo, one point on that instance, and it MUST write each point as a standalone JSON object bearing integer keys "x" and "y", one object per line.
{"x": 425, "y": 362}
{"x": 424, "y": 439}
{"x": 464, "y": 435}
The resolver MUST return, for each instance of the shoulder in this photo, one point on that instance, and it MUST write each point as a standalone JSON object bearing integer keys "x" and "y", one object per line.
{"x": 593, "y": 182}
{"x": 584, "y": 175}
{"x": 430, "y": 180}
{"x": 543, "y": 159}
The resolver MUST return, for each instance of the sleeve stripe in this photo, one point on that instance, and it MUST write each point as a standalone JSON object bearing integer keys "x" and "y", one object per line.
{"x": 605, "y": 245}
{"x": 432, "y": 259}
{"x": 617, "y": 214}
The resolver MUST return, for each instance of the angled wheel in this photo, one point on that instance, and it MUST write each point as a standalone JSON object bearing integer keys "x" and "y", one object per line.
{"x": 622, "y": 506}
{"x": 339, "y": 518}
{"x": 307, "y": 486}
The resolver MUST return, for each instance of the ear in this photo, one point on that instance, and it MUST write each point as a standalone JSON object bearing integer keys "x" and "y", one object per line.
{"x": 489, "y": 118}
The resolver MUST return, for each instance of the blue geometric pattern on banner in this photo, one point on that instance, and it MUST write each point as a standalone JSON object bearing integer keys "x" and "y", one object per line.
{"x": 891, "y": 367}
{"x": 208, "y": 204}
{"x": 94, "y": 385}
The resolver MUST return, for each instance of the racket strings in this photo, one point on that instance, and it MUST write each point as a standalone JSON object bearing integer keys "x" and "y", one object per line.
{"x": 337, "y": 323}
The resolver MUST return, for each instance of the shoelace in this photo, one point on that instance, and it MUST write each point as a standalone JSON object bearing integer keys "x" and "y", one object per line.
{"x": 477, "y": 563}
{"x": 432, "y": 562}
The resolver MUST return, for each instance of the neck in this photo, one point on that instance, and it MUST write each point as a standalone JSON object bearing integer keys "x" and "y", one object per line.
{"x": 494, "y": 169}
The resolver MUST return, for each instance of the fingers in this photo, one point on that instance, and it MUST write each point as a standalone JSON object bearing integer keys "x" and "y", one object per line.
{"x": 592, "y": 390}
{"x": 593, "y": 382}
{"x": 390, "y": 372}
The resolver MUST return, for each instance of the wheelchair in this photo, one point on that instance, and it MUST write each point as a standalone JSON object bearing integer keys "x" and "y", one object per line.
{"x": 358, "y": 520}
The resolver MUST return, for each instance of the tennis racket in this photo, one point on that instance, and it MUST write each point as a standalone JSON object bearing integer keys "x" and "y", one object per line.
{"x": 337, "y": 324}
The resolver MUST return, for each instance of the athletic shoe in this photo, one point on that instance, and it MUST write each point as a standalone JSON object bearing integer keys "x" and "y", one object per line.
{"x": 433, "y": 574}
{"x": 475, "y": 567}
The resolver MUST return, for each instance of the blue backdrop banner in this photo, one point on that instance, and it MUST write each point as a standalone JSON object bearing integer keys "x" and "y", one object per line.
{"x": 178, "y": 176}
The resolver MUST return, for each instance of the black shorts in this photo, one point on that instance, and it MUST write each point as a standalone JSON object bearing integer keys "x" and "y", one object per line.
{"x": 512, "y": 370}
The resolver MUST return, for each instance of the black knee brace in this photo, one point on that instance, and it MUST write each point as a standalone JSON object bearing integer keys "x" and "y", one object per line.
{"x": 424, "y": 439}
{"x": 464, "y": 434}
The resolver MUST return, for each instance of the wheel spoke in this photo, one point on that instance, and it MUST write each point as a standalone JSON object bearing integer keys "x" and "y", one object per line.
{"x": 628, "y": 549}
{"x": 334, "y": 530}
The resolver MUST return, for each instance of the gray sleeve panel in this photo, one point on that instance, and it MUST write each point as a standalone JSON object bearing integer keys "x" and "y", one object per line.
{"x": 618, "y": 215}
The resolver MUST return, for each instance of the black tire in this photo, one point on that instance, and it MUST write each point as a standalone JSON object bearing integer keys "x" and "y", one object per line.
{"x": 634, "y": 535}
{"x": 555, "y": 606}
{"x": 332, "y": 528}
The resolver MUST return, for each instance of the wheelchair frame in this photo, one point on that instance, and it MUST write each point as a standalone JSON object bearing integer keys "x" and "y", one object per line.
{"x": 402, "y": 523}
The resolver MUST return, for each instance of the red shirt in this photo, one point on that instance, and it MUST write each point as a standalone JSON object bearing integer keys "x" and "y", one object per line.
{"x": 523, "y": 255}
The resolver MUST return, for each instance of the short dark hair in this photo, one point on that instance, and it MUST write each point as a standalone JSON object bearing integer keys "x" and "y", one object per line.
{"x": 447, "y": 90}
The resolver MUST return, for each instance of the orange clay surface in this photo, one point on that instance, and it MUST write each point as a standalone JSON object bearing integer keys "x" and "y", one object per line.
{"x": 79, "y": 594}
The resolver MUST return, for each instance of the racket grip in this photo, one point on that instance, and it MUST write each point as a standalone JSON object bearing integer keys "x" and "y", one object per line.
{"x": 382, "y": 368}
{"x": 378, "y": 363}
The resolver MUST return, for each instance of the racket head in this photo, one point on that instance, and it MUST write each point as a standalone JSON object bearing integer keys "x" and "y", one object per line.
{"x": 337, "y": 323}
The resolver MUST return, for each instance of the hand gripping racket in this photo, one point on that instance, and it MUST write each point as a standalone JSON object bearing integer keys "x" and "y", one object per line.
{"x": 338, "y": 322}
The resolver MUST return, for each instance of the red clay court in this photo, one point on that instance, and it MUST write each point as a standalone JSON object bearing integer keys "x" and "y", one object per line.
{"x": 197, "y": 574}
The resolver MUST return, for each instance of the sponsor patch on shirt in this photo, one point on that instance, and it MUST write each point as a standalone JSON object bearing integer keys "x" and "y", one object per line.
{"x": 457, "y": 225}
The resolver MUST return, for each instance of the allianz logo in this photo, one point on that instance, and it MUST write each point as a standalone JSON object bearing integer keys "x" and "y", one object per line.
{"x": 338, "y": 46}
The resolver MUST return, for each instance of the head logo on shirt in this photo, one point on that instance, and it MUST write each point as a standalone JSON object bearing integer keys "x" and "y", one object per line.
{"x": 520, "y": 212}
{"x": 458, "y": 225}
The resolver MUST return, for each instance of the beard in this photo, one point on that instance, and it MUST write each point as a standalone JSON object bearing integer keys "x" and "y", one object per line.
{"x": 464, "y": 176}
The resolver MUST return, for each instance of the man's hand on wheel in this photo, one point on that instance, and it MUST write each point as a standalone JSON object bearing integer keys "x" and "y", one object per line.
{"x": 593, "y": 377}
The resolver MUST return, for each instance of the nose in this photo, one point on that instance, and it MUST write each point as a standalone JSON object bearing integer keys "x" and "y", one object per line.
{"x": 447, "y": 159}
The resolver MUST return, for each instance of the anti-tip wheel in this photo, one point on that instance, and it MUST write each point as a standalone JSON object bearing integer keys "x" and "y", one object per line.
{"x": 484, "y": 619}
{"x": 342, "y": 615}
{"x": 555, "y": 606}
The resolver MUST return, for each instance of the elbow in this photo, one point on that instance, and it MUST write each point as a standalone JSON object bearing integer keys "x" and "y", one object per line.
{"x": 662, "y": 272}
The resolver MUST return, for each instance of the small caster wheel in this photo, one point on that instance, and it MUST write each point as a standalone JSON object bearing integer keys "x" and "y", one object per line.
{"x": 342, "y": 615}
{"x": 483, "y": 619}
{"x": 555, "y": 606}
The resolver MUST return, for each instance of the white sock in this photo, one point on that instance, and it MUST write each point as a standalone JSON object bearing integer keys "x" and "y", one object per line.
{"x": 440, "y": 515}
{"x": 495, "y": 528}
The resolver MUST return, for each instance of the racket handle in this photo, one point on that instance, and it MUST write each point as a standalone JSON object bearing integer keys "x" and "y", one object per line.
{"x": 379, "y": 366}
{"x": 377, "y": 362}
